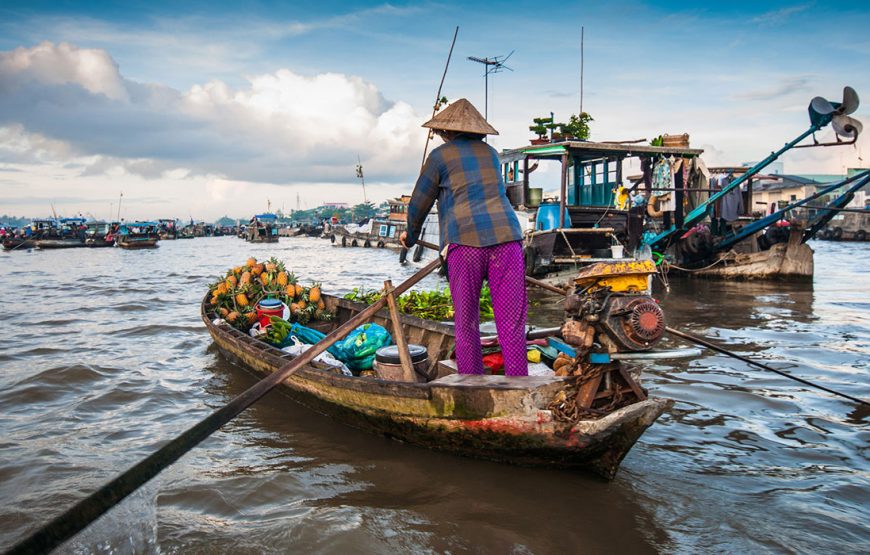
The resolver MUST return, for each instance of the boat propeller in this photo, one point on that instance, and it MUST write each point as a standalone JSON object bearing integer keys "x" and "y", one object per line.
{"x": 823, "y": 111}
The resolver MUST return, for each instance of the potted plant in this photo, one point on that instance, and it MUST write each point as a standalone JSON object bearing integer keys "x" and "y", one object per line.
{"x": 577, "y": 126}
{"x": 552, "y": 126}
{"x": 540, "y": 129}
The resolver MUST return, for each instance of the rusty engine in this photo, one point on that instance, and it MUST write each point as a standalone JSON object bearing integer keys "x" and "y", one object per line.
{"x": 611, "y": 306}
{"x": 609, "y": 311}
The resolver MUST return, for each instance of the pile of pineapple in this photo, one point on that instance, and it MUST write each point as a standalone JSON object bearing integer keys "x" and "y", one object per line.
{"x": 235, "y": 296}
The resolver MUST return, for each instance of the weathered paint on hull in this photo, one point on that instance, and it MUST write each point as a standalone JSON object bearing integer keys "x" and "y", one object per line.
{"x": 506, "y": 426}
{"x": 785, "y": 261}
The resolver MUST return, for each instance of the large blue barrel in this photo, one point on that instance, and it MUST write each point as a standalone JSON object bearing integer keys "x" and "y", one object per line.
{"x": 548, "y": 217}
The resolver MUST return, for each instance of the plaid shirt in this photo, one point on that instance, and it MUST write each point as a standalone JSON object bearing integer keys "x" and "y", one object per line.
{"x": 473, "y": 208}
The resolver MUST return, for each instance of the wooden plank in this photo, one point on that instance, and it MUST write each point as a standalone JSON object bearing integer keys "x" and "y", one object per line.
{"x": 587, "y": 391}
{"x": 399, "y": 334}
{"x": 631, "y": 383}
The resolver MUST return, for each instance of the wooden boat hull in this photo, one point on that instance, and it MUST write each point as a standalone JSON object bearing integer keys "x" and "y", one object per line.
{"x": 149, "y": 243}
{"x": 786, "y": 261}
{"x": 489, "y": 417}
{"x": 59, "y": 243}
{"x": 98, "y": 243}
{"x": 16, "y": 243}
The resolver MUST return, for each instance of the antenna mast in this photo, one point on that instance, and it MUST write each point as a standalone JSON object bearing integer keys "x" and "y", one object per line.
{"x": 491, "y": 65}
{"x": 582, "y": 30}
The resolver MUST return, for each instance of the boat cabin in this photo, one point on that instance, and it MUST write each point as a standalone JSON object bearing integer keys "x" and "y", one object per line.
{"x": 593, "y": 217}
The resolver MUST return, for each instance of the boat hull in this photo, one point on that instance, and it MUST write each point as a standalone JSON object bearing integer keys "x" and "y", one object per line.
{"x": 783, "y": 261}
{"x": 488, "y": 417}
{"x": 137, "y": 243}
{"x": 18, "y": 243}
{"x": 59, "y": 243}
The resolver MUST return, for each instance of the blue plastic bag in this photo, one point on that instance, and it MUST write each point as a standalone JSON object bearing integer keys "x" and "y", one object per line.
{"x": 359, "y": 347}
{"x": 357, "y": 350}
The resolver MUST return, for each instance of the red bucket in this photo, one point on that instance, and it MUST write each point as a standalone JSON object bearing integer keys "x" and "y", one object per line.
{"x": 268, "y": 308}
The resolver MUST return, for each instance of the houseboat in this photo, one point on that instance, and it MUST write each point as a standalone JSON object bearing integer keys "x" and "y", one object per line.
{"x": 693, "y": 219}
{"x": 67, "y": 233}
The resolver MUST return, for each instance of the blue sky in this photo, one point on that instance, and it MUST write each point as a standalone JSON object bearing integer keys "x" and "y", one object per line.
{"x": 219, "y": 106}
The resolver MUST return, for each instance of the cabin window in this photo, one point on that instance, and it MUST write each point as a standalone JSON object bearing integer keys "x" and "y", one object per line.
{"x": 383, "y": 230}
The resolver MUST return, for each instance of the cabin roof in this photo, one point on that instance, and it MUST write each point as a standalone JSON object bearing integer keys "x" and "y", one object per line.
{"x": 587, "y": 150}
{"x": 780, "y": 182}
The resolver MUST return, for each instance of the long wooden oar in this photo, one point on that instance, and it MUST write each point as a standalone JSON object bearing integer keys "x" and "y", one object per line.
{"x": 92, "y": 507}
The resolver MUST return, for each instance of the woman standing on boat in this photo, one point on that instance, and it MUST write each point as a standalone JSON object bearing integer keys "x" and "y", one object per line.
{"x": 480, "y": 233}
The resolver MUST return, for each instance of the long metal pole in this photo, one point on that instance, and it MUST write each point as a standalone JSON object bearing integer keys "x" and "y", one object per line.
{"x": 718, "y": 349}
{"x": 438, "y": 95}
{"x": 582, "y": 31}
{"x": 88, "y": 510}
{"x": 486, "y": 92}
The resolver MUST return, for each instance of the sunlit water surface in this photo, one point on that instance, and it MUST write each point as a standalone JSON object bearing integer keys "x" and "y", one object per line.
{"x": 105, "y": 358}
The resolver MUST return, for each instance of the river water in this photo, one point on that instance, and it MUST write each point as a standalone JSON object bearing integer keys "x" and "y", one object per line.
{"x": 104, "y": 358}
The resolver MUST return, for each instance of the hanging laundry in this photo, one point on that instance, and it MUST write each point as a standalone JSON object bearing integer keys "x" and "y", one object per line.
{"x": 699, "y": 182}
{"x": 663, "y": 184}
{"x": 732, "y": 202}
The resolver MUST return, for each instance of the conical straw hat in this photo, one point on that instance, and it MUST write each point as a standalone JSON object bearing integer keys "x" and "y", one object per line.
{"x": 463, "y": 117}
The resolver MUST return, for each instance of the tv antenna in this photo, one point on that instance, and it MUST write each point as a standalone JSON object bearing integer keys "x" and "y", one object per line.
{"x": 491, "y": 65}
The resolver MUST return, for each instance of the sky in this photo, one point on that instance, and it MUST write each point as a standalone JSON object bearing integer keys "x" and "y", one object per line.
{"x": 204, "y": 109}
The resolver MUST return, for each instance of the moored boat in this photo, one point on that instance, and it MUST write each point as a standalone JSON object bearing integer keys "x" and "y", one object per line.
{"x": 100, "y": 234}
{"x": 67, "y": 233}
{"x": 482, "y": 416}
{"x": 137, "y": 235}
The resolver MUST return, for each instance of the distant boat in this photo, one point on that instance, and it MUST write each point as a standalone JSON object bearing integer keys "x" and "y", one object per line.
{"x": 138, "y": 235}
{"x": 262, "y": 229}
{"x": 99, "y": 234}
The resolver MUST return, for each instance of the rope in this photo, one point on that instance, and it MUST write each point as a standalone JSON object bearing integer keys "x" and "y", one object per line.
{"x": 725, "y": 258}
{"x": 718, "y": 349}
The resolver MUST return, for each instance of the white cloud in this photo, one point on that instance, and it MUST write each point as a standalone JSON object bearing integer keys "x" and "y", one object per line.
{"x": 280, "y": 127}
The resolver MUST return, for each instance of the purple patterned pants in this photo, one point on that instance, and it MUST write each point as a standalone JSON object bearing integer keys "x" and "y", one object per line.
{"x": 503, "y": 266}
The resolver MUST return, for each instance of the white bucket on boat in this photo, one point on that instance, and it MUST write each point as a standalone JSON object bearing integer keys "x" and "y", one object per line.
{"x": 616, "y": 251}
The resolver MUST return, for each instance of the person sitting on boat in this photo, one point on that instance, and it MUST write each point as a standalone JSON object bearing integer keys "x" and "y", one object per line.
{"x": 479, "y": 232}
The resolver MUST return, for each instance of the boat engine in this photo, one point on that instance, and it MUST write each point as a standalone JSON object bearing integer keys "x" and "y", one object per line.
{"x": 609, "y": 311}
{"x": 611, "y": 305}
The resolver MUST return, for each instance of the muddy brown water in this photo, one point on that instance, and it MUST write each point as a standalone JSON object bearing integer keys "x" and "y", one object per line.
{"x": 104, "y": 358}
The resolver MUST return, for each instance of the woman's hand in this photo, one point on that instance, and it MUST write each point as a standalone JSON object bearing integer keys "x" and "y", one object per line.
{"x": 402, "y": 238}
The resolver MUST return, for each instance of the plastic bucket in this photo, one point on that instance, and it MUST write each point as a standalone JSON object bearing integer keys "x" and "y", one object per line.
{"x": 268, "y": 308}
{"x": 547, "y": 217}
{"x": 535, "y": 196}
{"x": 616, "y": 251}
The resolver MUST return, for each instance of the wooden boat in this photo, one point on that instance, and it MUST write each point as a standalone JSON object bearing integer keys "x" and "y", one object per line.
{"x": 138, "y": 235}
{"x": 99, "y": 234}
{"x": 18, "y": 242}
{"x": 792, "y": 260}
{"x": 488, "y": 417}
{"x": 263, "y": 228}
